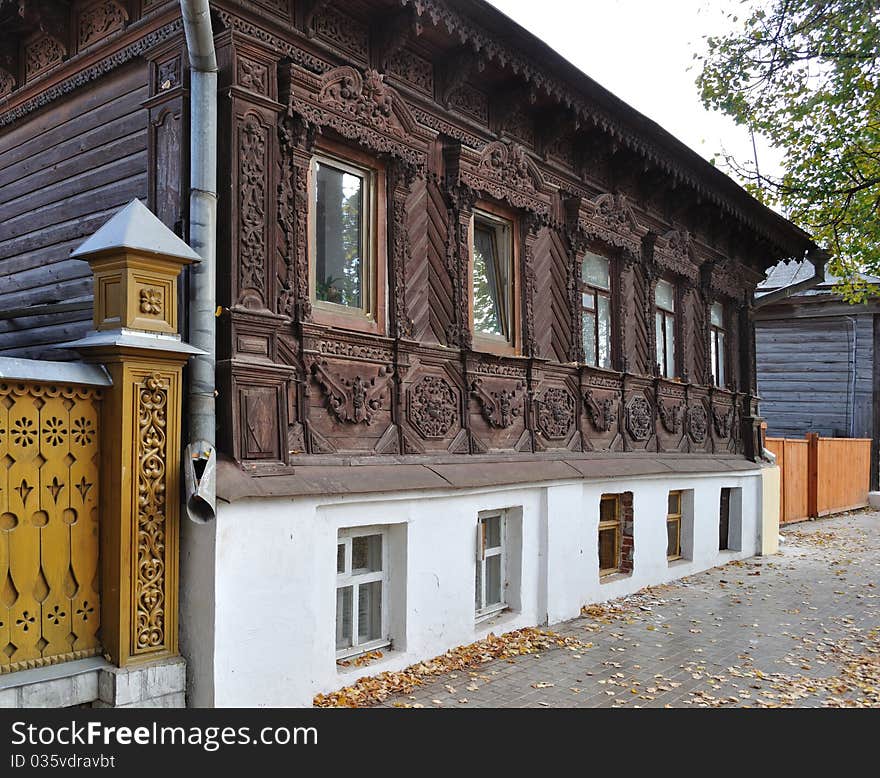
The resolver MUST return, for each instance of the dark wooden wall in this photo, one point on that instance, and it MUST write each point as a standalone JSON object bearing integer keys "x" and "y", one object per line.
{"x": 63, "y": 173}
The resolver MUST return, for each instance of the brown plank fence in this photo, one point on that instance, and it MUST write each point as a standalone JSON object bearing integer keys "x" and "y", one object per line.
{"x": 821, "y": 476}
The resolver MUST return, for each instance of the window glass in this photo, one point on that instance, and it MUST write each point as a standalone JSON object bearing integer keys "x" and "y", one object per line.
{"x": 369, "y": 612}
{"x": 488, "y": 287}
{"x": 340, "y": 558}
{"x": 670, "y": 347}
{"x": 674, "y": 503}
{"x": 595, "y": 271}
{"x": 588, "y": 322}
{"x": 492, "y": 529}
{"x": 673, "y": 545}
{"x": 366, "y": 554}
{"x": 665, "y": 296}
{"x": 608, "y": 549}
{"x": 720, "y": 378}
{"x": 661, "y": 352}
{"x": 343, "y": 617}
{"x": 340, "y": 200}
{"x": 608, "y": 509}
{"x": 717, "y": 314}
{"x": 493, "y": 580}
{"x": 604, "y": 355}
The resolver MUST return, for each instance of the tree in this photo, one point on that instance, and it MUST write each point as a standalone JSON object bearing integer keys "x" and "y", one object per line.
{"x": 806, "y": 75}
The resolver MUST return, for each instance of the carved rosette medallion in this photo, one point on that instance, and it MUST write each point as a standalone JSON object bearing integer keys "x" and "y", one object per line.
{"x": 501, "y": 407}
{"x": 698, "y": 423}
{"x": 433, "y": 406}
{"x": 151, "y": 301}
{"x": 556, "y": 413}
{"x": 638, "y": 418}
{"x": 150, "y": 560}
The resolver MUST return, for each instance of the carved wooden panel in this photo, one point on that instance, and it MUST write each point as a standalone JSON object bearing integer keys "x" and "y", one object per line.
{"x": 556, "y": 410}
{"x": 699, "y": 421}
{"x": 552, "y": 305}
{"x": 635, "y": 327}
{"x": 602, "y": 412}
{"x": 639, "y": 415}
{"x": 42, "y": 54}
{"x": 99, "y": 19}
{"x": 498, "y": 409}
{"x": 49, "y": 594}
{"x": 417, "y": 71}
{"x": 432, "y": 405}
{"x": 259, "y": 423}
{"x": 430, "y": 292}
{"x": 340, "y": 29}
{"x": 166, "y": 172}
{"x": 672, "y": 416}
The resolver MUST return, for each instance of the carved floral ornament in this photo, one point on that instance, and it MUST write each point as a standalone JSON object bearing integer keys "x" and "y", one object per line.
{"x": 150, "y": 583}
{"x": 7, "y": 82}
{"x": 151, "y": 301}
{"x": 639, "y": 421}
{"x": 556, "y": 413}
{"x": 671, "y": 416}
{"x": 100, "y": 19}
{"x": 698, "y": 423}
{"x": 433, "y": 406}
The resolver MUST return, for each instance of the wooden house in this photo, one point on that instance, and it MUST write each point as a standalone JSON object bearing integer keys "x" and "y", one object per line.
{"x": 485, "y": 344}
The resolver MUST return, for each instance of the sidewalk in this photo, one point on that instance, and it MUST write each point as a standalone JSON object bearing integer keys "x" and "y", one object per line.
{"x": 799, "y": 629}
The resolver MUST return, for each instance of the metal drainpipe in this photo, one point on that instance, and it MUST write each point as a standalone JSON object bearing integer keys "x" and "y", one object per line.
{"x": 200, "y": 457}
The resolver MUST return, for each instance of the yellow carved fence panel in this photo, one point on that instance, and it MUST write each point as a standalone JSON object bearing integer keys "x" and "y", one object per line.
{"x": 49, "y": 534}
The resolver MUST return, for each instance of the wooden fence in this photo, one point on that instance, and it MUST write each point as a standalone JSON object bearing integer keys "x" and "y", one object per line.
{"x": 821, "y": 476}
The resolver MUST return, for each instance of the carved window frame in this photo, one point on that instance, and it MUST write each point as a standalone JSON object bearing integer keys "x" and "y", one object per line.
{"x": 483, "y": 342}
{"x": 719, "y": 349}
{"x": 371, "y": 317}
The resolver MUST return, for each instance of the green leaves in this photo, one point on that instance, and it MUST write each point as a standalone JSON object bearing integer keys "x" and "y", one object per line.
{"x": 806, "y": 75}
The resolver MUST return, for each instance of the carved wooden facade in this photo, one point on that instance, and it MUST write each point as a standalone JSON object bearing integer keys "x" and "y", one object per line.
{"x": 459, "y": 109}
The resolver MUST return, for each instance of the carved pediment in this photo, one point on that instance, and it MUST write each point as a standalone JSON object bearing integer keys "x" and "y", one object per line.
{"x": 367, "y": 99}
{"x": 509, "y": 163}
{"x": 612, "y": 221}
{"x": 674, "y": 251}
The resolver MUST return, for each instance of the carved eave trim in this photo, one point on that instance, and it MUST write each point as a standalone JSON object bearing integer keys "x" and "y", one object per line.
{"x": 115, "y": 50}
{"x": 610, "y": 219}
{"x": 493, "y": 47}
{"x": 361, "y": 107}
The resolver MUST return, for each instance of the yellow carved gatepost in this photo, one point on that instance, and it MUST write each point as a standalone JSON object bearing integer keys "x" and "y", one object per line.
{"x": 136, "y": 261}
{"x": 49, "y": 491}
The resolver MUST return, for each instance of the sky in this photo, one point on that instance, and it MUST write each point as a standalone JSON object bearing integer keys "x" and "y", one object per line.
{"x": 642, "y": 51}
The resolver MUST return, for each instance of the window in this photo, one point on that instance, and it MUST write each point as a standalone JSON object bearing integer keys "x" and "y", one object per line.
{"x": 596, "y": 310}
{"x": 664, "y": 307}
{"x": 346, "y": 276}
{"x": 673, "y": 526}
{"x": 493, "y": 277}
{"x": 718, "y": 337}
{"x": 490, "y": 565}
{"x": 360, "y": 592}
{"x": 724, "y": 521}
{"x": 609, "y": 534}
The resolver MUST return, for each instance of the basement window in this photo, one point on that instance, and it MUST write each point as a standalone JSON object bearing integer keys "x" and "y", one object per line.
{"x": 490, "y": 568}
{"x": 361, "y": 583}
{"x": 673, "y": 526}
{"x": 609, "y": 534}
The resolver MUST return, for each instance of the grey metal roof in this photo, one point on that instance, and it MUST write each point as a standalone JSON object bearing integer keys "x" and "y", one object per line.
{"x": 788, "y": 273}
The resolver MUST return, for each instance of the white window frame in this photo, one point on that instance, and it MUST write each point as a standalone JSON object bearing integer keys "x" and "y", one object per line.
{"x": 348, "y": 578}
{"x": 487, "y": 612}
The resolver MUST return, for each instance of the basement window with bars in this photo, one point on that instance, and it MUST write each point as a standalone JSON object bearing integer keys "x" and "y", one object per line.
{"x": 673, "y": 526}
{"x": 610, "y": 536}
{"x": 361, "y": 583}
{"x": 489, "y": 590}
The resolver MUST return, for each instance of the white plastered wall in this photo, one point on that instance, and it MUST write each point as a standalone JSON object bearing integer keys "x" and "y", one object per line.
{"x": 275, "y": 572}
